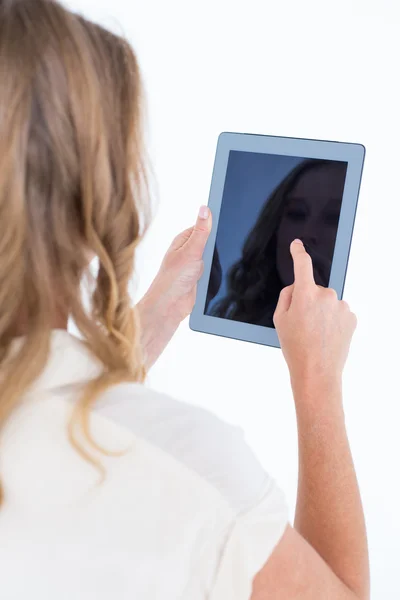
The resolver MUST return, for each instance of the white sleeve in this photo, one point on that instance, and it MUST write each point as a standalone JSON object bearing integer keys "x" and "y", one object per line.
{"x": 254, "y": 516}
{"x": 249, "y": 544}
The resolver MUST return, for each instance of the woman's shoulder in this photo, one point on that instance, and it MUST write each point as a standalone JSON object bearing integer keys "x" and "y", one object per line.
{"x": 211, "y": 448}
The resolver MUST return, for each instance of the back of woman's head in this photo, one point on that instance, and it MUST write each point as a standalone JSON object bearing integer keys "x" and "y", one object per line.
{"x": 71, "y": 181}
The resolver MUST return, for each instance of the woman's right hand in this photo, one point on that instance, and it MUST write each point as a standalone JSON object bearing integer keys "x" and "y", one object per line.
{"x": 314, "y": 327}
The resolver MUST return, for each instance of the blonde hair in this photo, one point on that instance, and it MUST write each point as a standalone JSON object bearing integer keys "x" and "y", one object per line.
{"x": 72, "y": 183}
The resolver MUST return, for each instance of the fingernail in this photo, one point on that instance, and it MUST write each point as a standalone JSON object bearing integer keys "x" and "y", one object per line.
{"x": 204, "y": 212}
{"x": 297, "y": 241}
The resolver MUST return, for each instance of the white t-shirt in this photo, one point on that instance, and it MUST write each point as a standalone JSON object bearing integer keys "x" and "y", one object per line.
{"x": 186, "y": 513}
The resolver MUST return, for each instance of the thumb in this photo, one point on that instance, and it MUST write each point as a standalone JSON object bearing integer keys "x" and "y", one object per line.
{"x": 284, "y": 302}
{"x": 200, "y": 232}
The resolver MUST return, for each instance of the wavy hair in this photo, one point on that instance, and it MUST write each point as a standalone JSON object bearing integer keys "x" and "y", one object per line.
{"x": 72, "y": 185}
{"x": 254, "y": 284}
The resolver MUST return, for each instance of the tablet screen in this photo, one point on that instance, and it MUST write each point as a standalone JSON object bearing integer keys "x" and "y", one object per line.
{"x": 268, "y": 201}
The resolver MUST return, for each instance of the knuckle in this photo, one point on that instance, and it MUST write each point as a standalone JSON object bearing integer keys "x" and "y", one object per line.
{"x": 345, "y": 305}
{"x": 283, "y": 292}
{"x": 330, "y": 294}
{"x": 276, "y": 320}
{"x": 346, "y": 309}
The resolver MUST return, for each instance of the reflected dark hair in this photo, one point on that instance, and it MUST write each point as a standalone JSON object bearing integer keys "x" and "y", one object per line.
{"x": 254, "y": 284}
{"x": 215, "y": 279}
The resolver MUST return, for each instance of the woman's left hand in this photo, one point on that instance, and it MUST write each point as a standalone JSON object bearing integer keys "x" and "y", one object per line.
{"x": 172, "y": 295}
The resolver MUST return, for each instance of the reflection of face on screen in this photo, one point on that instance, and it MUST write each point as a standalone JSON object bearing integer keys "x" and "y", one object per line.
{"x": 304, "y": 203}
{"x": 311, "y": 213}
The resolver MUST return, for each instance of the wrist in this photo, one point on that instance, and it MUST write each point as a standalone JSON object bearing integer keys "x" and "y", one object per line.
{"x": 318, "y": 395}
{"x": 308, "y": 383}
{"x": 156, "y": 316}
{"x": 158, "y": 323}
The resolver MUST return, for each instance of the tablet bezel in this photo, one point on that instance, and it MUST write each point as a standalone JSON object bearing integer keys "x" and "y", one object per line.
{"x": 353, "y": 154}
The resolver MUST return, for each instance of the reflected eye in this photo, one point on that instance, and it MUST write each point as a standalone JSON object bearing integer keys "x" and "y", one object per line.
{"x": 295, "y": 214}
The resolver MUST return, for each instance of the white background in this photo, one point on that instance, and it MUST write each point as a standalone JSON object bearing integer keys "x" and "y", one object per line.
{"x": 327, "y": 70}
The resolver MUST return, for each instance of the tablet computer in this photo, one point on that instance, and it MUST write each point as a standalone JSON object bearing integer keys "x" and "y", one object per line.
{"x": 265, "y": 192}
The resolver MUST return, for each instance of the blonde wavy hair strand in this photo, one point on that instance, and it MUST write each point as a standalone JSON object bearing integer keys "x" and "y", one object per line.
{"x": 72, "y": 184}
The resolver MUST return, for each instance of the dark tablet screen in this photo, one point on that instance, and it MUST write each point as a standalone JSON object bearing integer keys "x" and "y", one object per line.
{"x": 268, "y": 201}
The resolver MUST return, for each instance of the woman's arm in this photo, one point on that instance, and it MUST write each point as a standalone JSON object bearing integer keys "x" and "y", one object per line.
{"x": 326, "y": 554}
{"x": 157, "y": 328}
{"x": 172, "y": 295}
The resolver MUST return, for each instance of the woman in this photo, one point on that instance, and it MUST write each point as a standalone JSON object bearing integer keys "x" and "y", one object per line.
{"x": 305, "y": 205}
{"x": 110, "y": 490}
